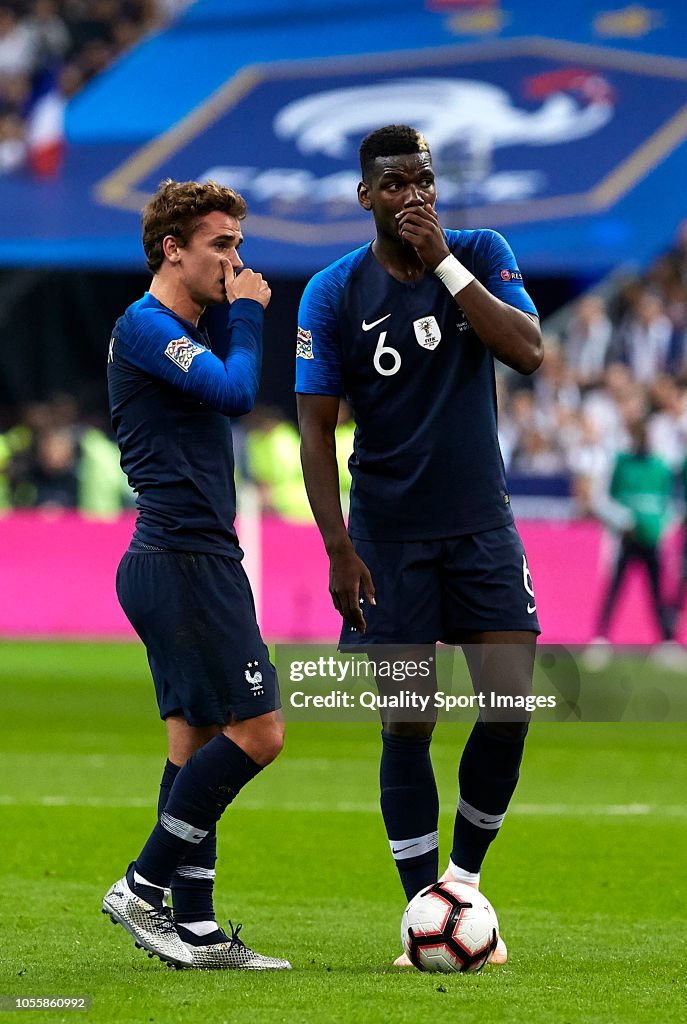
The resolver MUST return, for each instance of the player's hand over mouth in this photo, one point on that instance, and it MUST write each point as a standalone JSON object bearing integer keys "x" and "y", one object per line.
{"x": 246, "y": 285}
{"x": 419, "y": 226}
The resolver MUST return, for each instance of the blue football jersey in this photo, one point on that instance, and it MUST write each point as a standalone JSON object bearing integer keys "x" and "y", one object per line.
{"x": 172, "y": 388}
{"x": 426, "y": 461}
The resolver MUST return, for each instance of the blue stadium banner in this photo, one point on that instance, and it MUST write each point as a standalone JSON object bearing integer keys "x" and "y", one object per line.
{"x": 573, "y": 150}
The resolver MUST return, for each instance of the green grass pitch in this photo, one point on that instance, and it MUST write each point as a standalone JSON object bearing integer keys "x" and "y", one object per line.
{"x": 587, "y": 876}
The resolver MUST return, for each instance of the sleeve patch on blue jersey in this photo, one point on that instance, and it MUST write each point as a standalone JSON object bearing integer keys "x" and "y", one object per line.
{"x": 304, "y": 344}
{"x": 183, "y": 351}
{"x": 511, "y": 275}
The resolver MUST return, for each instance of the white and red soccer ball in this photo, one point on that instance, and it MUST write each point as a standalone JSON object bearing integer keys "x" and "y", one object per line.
{"x": 449, "y": 927}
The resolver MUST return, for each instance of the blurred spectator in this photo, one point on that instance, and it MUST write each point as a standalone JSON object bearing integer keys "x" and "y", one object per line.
{"x": 681, "y": 593}
{"x": 587, "y": 340}
{"x": 49, "y": 35}
{"x": 5, "y": 458}
{"x": 103, "y": 487}
{"x": 554, "y": 385}
{"x": 669, "y": 276}
{"x": 48, "y": 50}
{"x": 94, "y": 57}
{"x": 589, "y": 462}
{"x": 52, "y": 481}
{"x": 644, "y": 340}
{"x": 17, "y": 55}
{"x": 52, "y": 459}
{"x": 612, "y": 404}
{"x": 642, "y": 484}
{"x": 667, "y": 426}
{"x": 273, "y": 463}
{"x": 557, "y": 401}
{"x": 15, "y": 93}
{"x": 167, "y": 9}
{"x": 537, "y": 454}
{"x": 12, "y": 142}
{"x": 516, "y": 417}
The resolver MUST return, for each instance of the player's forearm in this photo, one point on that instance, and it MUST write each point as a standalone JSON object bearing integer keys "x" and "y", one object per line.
{"x": 243, "y": 362}
{"x": 230, "y": 385}
{"x": 512, "y": 337}
{"x": 321, "y": 475}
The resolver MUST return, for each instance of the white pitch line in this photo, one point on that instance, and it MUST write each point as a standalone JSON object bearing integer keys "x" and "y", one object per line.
{"x": 346, "y": 807}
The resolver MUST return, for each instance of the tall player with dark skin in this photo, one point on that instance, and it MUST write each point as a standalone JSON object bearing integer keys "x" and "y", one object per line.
{"x": 430, "y": 553}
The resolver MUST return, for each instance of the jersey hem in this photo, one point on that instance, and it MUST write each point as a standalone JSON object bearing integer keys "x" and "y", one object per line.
{"x": 140, "y": 547}
{"x": 444, "y": 534}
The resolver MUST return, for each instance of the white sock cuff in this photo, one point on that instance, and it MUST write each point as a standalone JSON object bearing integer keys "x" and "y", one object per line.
{"x": 459, "y": 875}
{"x": 200, "y": 927}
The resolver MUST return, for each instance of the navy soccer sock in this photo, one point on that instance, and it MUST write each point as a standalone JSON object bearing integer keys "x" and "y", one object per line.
{"x": 488, "y": 775}
{"x": 410, "y": 808}
{"x": 201, "y": 792}
{"x": 192, "y": 884}
{"x": 166, "y": 782}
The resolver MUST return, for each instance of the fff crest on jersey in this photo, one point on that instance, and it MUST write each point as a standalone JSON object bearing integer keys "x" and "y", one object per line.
{"x": 427, "y": 332}
{"x": 182, "y": 351}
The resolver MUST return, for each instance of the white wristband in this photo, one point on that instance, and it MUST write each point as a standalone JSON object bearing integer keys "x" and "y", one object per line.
{"x": 453, "y": 274}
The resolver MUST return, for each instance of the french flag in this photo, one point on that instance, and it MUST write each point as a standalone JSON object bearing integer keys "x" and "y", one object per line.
{"x": 45, "y": 136}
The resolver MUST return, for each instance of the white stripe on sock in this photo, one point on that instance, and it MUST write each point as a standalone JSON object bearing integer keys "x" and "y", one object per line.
{"x": 189, "y": 871}
{"x": 181, "y": 828}
{"x": 480, "y": 818}
{"x": 403, "y": 849}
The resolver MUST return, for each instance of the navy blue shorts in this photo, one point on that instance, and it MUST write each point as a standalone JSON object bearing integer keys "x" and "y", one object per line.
{"x": 195, "y": 614}
{"x": 438, "y": 590}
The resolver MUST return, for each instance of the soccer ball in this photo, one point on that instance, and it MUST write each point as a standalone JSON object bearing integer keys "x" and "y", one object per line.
{"x": 449, "y": 926}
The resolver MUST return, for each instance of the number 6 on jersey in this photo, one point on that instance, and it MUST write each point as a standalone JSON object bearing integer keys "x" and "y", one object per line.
{"x": 386, "y": 350}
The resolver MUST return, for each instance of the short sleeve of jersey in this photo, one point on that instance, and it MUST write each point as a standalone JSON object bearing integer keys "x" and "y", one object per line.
{"x": 497, "y": 269}
{"x": 318, "y": 342}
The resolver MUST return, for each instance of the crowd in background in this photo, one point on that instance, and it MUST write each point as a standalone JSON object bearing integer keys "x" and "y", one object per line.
{"x": 617, "y": 362}
{"x": 53, "y": 459}
{"x": 49, "y": 49}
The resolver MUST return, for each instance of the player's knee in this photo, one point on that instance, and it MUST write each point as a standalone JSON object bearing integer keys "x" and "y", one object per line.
{"x": 269, "y": 741}
{"x": 261, "y": 738}
{"x": 410, "y": 730}
{"x": 506, "y": 730}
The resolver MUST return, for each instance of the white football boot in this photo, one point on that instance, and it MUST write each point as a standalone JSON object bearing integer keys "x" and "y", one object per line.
{"x": 219, "y": 951}
{"x": 141, "y": 910}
